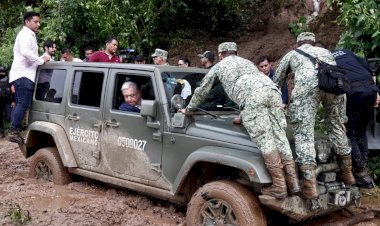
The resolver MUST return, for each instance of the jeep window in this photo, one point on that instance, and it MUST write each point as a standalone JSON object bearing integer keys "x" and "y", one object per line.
{"x": 217, "y": 100}
{"x": 144, "y": 84}
{"x": 50, "y": 85}
{"x": 87, "y": 88}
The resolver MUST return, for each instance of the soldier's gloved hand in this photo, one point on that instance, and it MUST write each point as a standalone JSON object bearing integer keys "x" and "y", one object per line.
{"x": 187, "y": 113}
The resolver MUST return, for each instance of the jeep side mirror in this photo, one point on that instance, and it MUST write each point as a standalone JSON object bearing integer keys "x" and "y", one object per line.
{"x": 148, "y": 108}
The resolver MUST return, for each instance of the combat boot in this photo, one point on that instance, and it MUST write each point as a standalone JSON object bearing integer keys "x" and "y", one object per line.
{"x": 362, "y": 178}
{"x": 291, "y": 176}
{"x": 345, "y": 165}
{"x": 275, "y": 169}
{"x": 309, "y": 181}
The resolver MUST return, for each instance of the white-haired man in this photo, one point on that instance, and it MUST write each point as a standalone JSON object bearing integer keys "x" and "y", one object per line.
{"x": 132, "y": 97}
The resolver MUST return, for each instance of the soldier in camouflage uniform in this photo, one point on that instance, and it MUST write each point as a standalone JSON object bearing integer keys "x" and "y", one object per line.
{"x": 303, "y": 106}
{"x": 262, "y": 114}
{"x": 160, "y": 57}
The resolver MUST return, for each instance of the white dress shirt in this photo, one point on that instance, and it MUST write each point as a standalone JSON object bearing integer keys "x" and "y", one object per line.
{"x": 25, "y": 56}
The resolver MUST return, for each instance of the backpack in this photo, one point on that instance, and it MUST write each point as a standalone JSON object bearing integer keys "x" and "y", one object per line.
{"x": 331, "y": 78}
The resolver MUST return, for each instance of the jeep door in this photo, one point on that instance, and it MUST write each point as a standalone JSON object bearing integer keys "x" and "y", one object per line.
{"x": 83, "y": 115}
{"x": 131, "y": 148}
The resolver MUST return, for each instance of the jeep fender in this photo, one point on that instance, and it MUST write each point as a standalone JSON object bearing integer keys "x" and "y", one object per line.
{"x": 249, "y": 162}
{"x": 60, "y": 139}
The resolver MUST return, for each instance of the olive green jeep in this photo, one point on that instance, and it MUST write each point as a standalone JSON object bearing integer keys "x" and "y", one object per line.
{"x": 205, "y": 161}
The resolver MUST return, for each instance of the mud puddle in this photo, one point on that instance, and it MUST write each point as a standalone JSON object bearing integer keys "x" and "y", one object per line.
{"x": 87, "y": 202}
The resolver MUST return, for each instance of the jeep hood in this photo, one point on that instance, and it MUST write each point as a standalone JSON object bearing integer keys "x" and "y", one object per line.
{"x": 220, "y": 129}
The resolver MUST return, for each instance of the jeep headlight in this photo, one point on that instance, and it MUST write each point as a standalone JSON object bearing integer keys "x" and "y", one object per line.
{"x": 177, "y": 102}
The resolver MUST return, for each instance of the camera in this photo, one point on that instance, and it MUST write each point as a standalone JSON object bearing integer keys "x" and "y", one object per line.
{"x": 127, "y": 55}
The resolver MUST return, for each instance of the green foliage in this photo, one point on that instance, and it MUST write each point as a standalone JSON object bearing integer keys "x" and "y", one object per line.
{"x": 6, "y": 47}
{"x": 10, "y": 23}
{"x": 320, "y": 124}
{"x": 374, "y": 167}
{"x": 143, "y": 25}
{"x": 299, "y": 27}
{"x": 17, "y": 215}
{"x": 360, "y": 19}
{"x": 79, "y": 23}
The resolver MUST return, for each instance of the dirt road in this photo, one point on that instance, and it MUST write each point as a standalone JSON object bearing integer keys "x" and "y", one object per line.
{"x": 87, "y": 202}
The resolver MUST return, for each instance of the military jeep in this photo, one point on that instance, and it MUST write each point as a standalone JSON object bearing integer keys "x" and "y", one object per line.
{"x": 205, "y": 161}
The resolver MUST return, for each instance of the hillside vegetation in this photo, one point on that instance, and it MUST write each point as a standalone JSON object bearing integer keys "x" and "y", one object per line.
{"x": 259, "y": 26}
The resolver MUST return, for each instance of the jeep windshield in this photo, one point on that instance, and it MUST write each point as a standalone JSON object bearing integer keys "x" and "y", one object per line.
{"x": 184, "y": 84}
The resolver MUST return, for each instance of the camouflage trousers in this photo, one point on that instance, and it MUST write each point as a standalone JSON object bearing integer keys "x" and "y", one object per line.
{"x": 264, "y": 119}
{"x": 302, "y": 112}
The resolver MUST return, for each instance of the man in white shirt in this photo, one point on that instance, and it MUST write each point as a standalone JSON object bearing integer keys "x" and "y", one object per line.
{"x": 23, "y": 71}
{"x": 66, "y": 55}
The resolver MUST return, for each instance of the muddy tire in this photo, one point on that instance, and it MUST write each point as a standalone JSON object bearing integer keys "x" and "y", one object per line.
{"x": 224, "y": 203}
{"x": 47, "y": 165}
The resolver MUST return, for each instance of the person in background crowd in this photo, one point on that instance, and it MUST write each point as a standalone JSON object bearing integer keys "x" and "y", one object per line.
{"x": 361, "y": 99}
{"x": 183, "y": 62}
{"x": 132, "y": 97}
{"x": 302, "y": 110}
{"x": 107, "y": 55}
{"x": 6, "y": 99}
{"x": 139, "y": 59}
{"x": 23, "y": 72}
{"x": 67, "y": 56}
{"x": 88, "y": 51}
{"x": 49, "y": 49}
{"x": 43, "y": 83}
{"x": 160, "y": 57}
{"x": 262, "y": 114}
{"x": 265, "y": 66}
{"x": 182, "y": 84}
{"x": 207, "y": 59}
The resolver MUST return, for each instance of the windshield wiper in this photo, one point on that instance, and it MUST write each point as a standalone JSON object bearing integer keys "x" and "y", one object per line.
{"x": 220, "y": 106}
{"x": 232, "y": 108}
{"x": 209, "y": 113}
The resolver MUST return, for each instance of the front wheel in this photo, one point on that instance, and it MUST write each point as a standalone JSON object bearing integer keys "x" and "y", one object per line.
{"x": 47, "y": 165}
{"x": 224, "y": 203}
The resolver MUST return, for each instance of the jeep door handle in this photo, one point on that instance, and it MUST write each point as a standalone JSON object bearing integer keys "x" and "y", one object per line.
{"x": 73, "y": 117}
{"x": 98, "y": 126}
{"x": 112, "y": 123}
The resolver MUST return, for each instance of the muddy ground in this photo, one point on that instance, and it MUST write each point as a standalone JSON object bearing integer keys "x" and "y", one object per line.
{"x": 86, "y": 202}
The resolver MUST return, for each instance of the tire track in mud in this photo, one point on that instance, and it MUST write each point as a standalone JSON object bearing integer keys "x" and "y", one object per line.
{"x": 79, "y": 203}
{"x": 88, "y": 202}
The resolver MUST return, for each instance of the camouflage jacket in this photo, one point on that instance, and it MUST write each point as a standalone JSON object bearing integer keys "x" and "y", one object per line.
{"x": 239, "y": 78}
{"x": 305, "y": 77}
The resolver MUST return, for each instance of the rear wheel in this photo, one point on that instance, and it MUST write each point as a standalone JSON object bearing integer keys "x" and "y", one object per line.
{"x": 47, "y": 165}
{"x": 224, "y": 203}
